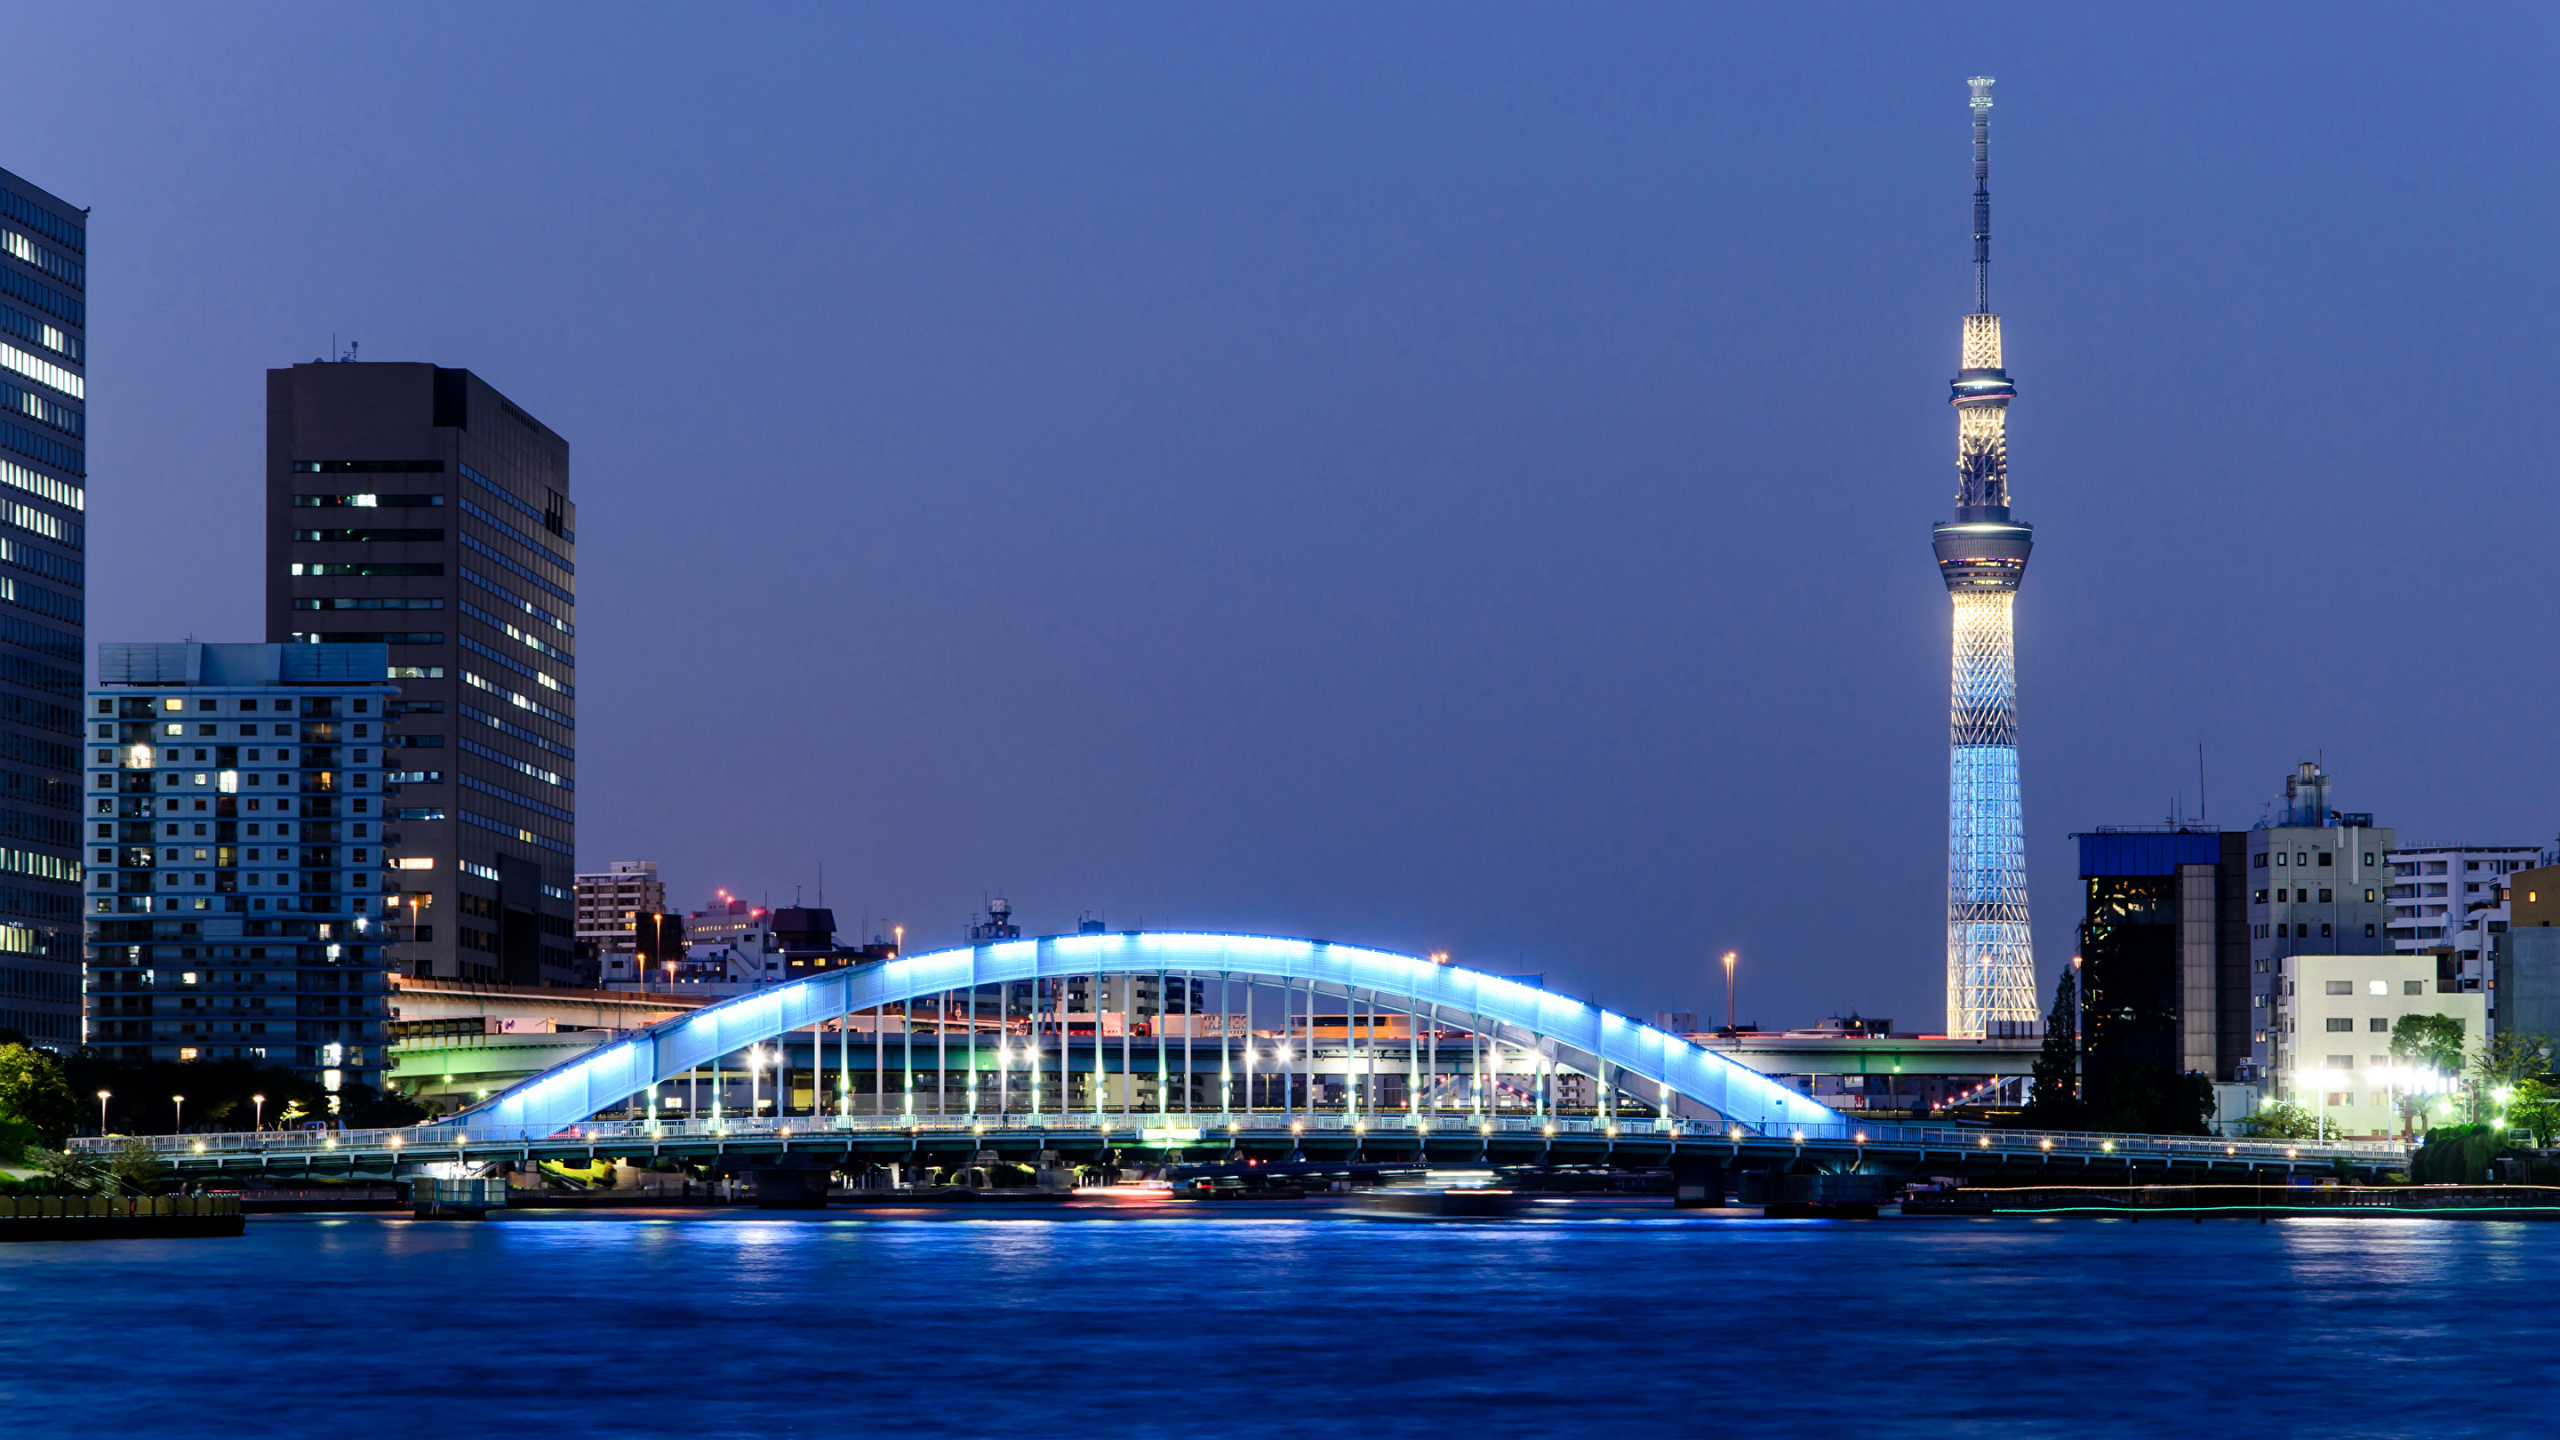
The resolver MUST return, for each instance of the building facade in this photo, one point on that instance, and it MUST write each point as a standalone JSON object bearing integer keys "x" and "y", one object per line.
{"x": 1982, "y": 557}
{"x": 44, "y": 358}
{"x": 2347, "y": 1006}
{"x": 2452, "y": 900}
{"x": 415, "y": 507}
{"x": 2524, "y": 959}
{"x": 2164, "y": 949}
{"x": 2316, "y": 887}
{"x": 235, "y": 855}
{"x": 610, "y": 905}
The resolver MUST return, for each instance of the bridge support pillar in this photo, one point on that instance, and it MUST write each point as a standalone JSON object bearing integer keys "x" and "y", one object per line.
{"x": 1697, "y": 1182}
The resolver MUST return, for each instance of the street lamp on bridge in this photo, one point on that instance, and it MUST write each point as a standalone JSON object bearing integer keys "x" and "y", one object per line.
{"x": 258, "y": 1109}
{"x": 178, "y": 1104}
{"x": 102, "y": 1111}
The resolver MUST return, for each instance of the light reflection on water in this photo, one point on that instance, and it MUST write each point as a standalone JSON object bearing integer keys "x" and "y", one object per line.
{"x": 1617, "y": 1322}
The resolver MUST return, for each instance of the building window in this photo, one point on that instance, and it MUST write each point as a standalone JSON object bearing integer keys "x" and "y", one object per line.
{"x": 2324, "y": 897}
{"x": 2341, "y": 1022}
{"x": 2324, "y": 859}
{"x": 2279, "y": 859}
{"x": 2378, "y": 1025}
{"x": 2368, "y": 857}
{"x": 2324, "y": 932}
{"x": 2413, "y": 987}
{"x": 2342, "y": 987}
{"x": 2258, "y": 862}
{"x": 2368, "y": 932}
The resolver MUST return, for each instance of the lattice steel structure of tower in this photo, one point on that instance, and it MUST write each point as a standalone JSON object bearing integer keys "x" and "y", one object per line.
{"x": 1982, "y": 554}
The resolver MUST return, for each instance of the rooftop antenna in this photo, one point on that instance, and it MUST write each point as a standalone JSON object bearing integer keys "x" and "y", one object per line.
{"x": 2201, "y": 812}
{"x": 1981, "y": 193}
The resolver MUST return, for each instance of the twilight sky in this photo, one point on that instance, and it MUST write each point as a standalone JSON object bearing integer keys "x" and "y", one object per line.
{"x": 1445, "y": 477}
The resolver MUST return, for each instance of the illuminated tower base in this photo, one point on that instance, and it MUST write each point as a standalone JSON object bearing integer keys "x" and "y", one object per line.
{"x": 1991, "y": 985}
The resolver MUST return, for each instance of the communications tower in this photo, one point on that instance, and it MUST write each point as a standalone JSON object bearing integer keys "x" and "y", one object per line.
{"x": 1982, "y": 554}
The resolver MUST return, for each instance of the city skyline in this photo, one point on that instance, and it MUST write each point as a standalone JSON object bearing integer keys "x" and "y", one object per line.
{"x": 1431, "y": 644}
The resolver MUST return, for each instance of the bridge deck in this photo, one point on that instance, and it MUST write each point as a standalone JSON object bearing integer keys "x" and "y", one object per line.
{"x": 1456, "y": 1137}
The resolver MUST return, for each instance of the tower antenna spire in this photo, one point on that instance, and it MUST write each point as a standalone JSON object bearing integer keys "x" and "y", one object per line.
{"x": 1981, "y": 193}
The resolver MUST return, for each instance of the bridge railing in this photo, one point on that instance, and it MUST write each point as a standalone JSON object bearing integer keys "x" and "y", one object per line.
{"x": 1208, "y": 1127}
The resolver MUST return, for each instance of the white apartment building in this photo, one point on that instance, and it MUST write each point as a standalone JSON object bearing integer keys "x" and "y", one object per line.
{"x": 609, "y": 905}
{"x": 2454, "y": 897}
{"x": 2344, "y": 1007}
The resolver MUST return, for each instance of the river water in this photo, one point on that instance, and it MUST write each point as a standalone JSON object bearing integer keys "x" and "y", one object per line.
{"x": 1576, "y": 1320}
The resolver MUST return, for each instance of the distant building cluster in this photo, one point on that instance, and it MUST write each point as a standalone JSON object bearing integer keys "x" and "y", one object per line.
{"x": 2279, "y": 962}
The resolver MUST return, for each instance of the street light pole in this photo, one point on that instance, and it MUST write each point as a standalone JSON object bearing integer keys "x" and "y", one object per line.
{"x": 1732, "y": 1020}
{"x": 179, "y": 1105}
{"x": 258, "y": 1110}
{"x": 102, "y": 1111}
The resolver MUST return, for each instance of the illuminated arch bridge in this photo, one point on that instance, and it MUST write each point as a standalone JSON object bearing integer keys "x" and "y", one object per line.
{"x": 1100, "y": 1030}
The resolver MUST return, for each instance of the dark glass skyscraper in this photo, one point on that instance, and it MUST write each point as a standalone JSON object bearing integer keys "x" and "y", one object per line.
{"x": 415, "y": 507}
{"x": 43, "y": 650}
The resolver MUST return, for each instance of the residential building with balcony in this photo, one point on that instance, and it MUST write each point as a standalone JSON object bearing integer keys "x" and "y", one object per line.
{"x": 234, "y": 821}
{"x": 2451, "y": 900}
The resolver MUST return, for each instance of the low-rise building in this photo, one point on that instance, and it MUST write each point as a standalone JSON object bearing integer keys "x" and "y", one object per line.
{"x": 235, "y": 860}
{"x": 2524, "y": 995}
{"x": 2346, "y": 1006}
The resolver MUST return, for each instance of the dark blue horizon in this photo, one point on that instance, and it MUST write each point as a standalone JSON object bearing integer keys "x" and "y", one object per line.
{"x": 1446, "y": 478}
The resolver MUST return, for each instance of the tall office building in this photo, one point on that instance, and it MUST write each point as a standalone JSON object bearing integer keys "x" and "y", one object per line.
{"x": 2316, "y": 882}
{"x": 413, "y": 506}
{"x": 1982, "y": 555}
{"x": 236, "y": 898}
{"x": 44, "y": 354}
{"x": 2164, "y": 951}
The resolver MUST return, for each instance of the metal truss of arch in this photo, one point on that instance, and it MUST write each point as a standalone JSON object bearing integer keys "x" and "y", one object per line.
{"x": 1626, "y": 1049}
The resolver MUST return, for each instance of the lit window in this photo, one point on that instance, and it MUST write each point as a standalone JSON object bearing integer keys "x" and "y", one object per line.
{"x": 2378, "y": 987}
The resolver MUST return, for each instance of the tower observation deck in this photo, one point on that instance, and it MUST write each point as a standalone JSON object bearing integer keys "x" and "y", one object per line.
{"x": 1982, "y": 555}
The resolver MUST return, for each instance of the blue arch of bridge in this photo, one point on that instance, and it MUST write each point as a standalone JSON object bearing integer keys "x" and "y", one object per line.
{"x": 568, "y": 1093}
